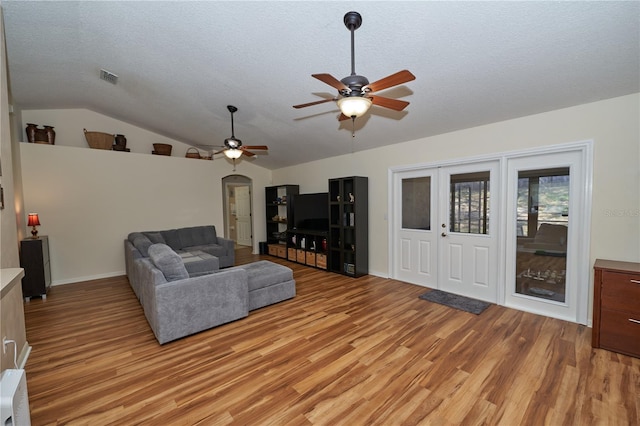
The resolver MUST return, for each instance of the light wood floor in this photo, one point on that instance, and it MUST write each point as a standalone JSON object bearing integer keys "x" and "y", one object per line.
{"x": 344, "y": 351}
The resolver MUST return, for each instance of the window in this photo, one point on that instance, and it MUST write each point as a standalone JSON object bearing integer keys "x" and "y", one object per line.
{"x": 469, "y": 203}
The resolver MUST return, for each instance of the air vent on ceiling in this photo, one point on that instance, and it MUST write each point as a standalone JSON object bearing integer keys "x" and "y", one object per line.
{"x": 108, "y": 76}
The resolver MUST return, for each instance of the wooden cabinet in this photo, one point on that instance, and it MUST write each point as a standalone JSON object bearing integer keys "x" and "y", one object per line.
{"x": 278, "y": 214}
{"x": 34, "y": 258}
{"x": 349, "y": 226}
{"x": 307, "y": 247}
{"x": 616, "y": 307}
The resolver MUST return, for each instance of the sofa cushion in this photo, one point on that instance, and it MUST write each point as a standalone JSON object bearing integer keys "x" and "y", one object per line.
{"x": 197, "y": 236}
{"x": 211, "y": 249}
{"x": 264, "y": 273}
{"x": 168, "y": 261}
{"x": 142, "y": 243}
{"x": 133, "y": 235}
{"x": 171, "y": 238}
{"x": 155, "y": 237}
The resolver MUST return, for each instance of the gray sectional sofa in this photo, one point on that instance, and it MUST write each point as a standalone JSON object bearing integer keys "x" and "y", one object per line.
{"x": 186, "y": 292}
{"x": 187, "y": 240}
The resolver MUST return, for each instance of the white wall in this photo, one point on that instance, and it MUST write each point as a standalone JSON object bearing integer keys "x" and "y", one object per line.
{"x": 8, "y": 232}
{"x": 88, "y": 200}
{"x": 613, "y": 125}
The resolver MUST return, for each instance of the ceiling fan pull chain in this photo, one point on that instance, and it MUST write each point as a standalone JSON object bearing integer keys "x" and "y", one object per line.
{"x": 353, "y": 128}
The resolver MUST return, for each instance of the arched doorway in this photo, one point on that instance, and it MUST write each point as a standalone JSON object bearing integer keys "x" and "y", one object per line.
{"x": 238, "y": 224}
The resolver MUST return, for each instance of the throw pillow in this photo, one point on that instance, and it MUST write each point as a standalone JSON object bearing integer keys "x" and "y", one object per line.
{"x": 155, "y": 237}
{"x": 168, "y": 261}
{"x": 142, "y": 243}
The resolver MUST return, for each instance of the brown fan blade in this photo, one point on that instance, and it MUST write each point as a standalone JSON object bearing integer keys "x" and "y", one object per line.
{"x": 219, "y": 152}
{"x": 254, "y": 147}
{"x": 343, "y": 117}
{"x": 394, "y": 104}
{"x": 313, "y": 103}
{"x": 390, "y": 81}
{"x": 248, "y": 153}
{"x": 331, "y": 81}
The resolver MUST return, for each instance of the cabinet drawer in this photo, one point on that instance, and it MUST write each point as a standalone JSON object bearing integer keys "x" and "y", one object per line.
{"x": 300, "y": 256}
{"x": 273, "y": 249}
{"x": 282, "y": 252}
{"x": 618, "y": 333}
{"x": 292, "y": 255}
{"x": 311, "y": 258}
{"x": 321, "y": 261}
{"x": 620, "y": 292}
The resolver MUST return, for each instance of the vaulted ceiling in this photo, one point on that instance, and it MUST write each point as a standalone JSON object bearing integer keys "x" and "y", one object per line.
{"x": 181, "y": 63}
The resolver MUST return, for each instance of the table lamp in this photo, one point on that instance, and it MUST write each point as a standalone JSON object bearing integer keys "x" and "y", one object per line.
{"x": 34, "y": 221}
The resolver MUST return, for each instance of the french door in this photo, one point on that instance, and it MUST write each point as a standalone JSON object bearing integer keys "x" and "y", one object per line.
{"x": 446, "y": 228}
{"x": 512, "y": 230}
{"x": 545, "y": 237}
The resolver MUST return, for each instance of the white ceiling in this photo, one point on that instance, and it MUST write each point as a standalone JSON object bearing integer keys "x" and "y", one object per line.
{"x": 181, "y": 63}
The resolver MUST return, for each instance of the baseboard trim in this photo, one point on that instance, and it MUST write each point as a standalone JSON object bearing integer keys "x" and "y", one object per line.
{"x": 88, "y": 278}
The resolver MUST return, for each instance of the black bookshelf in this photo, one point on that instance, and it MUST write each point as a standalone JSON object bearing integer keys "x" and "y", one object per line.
{"x": 349, "y": 226}
{"x": 279, "y": 210}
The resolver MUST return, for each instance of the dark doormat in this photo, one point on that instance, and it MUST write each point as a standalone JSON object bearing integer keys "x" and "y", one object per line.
{"x": 454, "y": 301}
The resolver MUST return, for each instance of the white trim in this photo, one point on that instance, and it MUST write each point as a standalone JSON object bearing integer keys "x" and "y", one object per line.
{"x": 89, "y": 278}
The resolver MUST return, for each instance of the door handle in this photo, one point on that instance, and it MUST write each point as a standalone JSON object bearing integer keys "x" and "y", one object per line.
{"x": 444, "y": 234}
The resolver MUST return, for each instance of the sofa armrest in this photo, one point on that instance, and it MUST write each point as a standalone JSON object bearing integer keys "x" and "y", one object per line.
{"x": 228, "y": 244}
{"x": 191, "y": 305}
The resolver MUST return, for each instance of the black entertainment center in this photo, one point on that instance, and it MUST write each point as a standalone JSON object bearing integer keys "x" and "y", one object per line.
{"x": 326, "y": 230}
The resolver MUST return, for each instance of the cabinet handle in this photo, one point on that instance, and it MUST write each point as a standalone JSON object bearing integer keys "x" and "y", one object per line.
{"x": 634, "y": 320}
{"x": 635, "y": 281}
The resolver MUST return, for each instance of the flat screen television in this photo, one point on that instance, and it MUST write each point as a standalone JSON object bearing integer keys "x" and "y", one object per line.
{"x": 311, "y": 211}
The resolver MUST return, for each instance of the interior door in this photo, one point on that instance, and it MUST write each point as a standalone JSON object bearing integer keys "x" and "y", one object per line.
{"x": 416, "y": 240}
{"x": 243, "y": 215}
{"x": 469, "y": 230}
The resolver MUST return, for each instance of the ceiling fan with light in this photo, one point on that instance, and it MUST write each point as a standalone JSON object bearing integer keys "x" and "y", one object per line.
{"x": 233, "y": 148}
{"x": 354, "y": 91}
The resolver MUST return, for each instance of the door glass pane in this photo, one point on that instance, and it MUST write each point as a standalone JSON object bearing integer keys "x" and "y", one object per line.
{"x": 469, "y": 203}
{"x": 542, "y": 224}
{"x": 416, "y": 203}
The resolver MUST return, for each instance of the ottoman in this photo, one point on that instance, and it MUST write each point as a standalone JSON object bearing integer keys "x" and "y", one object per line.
{"x": 268, "y": 283}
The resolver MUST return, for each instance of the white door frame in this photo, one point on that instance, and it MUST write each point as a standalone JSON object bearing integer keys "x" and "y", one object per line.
{"x": 582, "y": 259}
{"x": 228, "y": 182}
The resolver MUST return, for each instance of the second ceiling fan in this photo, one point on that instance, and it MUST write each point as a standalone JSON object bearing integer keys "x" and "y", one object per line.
{"x": 233, "y": 148}
{"x": 354, "y": 91}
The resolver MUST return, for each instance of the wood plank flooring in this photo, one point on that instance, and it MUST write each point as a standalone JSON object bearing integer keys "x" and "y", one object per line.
{"x": 344, "y": 351}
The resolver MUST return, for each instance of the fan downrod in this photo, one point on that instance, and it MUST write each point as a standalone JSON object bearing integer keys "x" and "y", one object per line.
{"x": 352, "y": 20}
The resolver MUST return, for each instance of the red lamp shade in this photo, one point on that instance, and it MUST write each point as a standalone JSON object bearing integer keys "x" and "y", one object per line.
{"x": 33, "y": 220}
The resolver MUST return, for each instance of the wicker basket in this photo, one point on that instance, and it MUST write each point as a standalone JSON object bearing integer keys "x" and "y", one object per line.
{"x": 161, "y": 149}
{"x": 99, "y": 140}
{"x": 193, "y": 153}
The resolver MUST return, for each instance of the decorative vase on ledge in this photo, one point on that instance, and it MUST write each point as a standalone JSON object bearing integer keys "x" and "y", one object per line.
{"x": 36, "y": 135}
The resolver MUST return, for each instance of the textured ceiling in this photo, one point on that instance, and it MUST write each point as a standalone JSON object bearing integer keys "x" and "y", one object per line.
{"x": 181, "y": 63}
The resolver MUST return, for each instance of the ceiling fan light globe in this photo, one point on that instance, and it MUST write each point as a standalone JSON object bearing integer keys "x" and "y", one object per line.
{"x": 233, "y": 154}
{"x": 354, "y": 106}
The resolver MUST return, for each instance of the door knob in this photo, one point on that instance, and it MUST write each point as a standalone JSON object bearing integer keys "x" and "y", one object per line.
{"x": 444, "y": 234}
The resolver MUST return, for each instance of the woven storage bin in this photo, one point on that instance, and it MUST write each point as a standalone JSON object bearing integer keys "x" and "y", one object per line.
{"x": 99, "y": 140}
{"x": 161, "y": 149}
{"x": 193, "y": 153}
